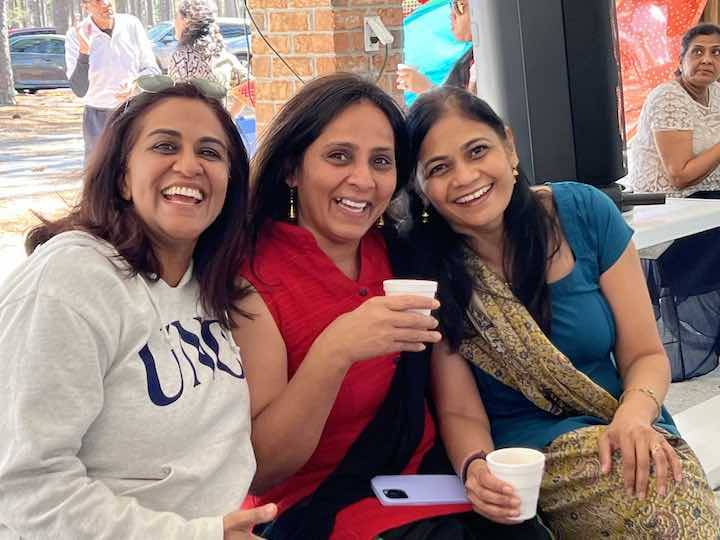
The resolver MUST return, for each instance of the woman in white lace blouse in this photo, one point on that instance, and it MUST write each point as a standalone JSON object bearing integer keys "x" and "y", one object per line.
{"x": 677, "y": 151}
{"x": 677, "y": 147}
{"x": 201, "y": 52}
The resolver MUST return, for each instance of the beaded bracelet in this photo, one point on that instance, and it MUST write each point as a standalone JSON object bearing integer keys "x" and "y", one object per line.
{"x": 648, "y": 392}
{"x": 468, "y": 460}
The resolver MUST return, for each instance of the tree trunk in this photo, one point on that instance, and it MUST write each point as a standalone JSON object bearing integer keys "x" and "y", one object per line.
{"x": 7, "y": 87}
{"x": 42, "y": 13}
{"x": 166, "y": 10}
{"x": 230, "y": 8}
{"x": 30, "y": 15}
{"x": 77, "y": 12}
{"x": 61, "y": 12}
{"x": 150, "y": 13}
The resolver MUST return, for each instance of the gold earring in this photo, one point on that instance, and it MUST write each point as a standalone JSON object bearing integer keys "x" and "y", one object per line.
{"x": 292, "y": 217}
{"x": 515, "y": 171}
{"x": 380, "y": 222}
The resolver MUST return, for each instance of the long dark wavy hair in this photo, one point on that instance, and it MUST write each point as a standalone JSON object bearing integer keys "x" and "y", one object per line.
{"x": 298, "y": 124}
{"x": 531, "y": 233}
{"x": 103, "y": 212}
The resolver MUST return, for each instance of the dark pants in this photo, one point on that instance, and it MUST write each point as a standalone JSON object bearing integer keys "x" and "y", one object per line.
{"x": 468, "y": 526}
{"x": 94, "y": 121}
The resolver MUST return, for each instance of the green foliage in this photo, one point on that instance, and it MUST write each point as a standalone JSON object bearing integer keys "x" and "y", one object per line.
{"x": 16, "y": 16}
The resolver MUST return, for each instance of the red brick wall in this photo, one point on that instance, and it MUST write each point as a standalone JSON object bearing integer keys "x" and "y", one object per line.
{"x": 317, "y": 37}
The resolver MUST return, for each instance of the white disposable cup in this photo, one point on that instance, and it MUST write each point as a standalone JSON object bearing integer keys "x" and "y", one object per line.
{"x": 414, "y": 287}
{"x": 522, "y": 468}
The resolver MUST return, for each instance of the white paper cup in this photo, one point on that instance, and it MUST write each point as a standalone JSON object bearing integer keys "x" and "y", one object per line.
{"x": 414, "y": 287}
{"x": 522, "y": 468}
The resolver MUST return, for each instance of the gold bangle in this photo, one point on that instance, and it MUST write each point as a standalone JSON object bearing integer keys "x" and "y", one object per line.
{"x": 648, "y": 392}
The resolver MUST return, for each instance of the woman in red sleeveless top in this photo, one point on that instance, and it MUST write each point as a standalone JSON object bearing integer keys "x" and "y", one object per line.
{"x": 336, "y": 370}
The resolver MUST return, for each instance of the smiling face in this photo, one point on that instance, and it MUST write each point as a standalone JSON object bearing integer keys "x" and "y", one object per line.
{"x": 177, "y": 172}
{"x": 347, "y": 176}
{"x": 700, "y": 64}
{"x": 467, "y": 172}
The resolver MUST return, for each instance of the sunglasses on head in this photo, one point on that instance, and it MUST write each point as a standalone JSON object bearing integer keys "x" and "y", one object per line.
{"x": 154, "y": 84}
{"x": 159, "y": 83}
{"x": 459, "y": 6}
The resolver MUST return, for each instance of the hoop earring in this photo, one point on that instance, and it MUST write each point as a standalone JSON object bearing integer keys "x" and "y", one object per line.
{"x": 292, "y": 216}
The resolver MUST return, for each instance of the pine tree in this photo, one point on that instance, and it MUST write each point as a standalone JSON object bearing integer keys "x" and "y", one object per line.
{"x": 7, "y": 86}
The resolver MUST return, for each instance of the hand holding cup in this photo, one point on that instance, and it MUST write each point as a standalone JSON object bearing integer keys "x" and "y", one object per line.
{"x": 414, "y": 287}
{"x": 521, "y": 468}
{"x": 380, "y": 326}
{"x": 410, "y": 79}
{"x": 491, "y": 497}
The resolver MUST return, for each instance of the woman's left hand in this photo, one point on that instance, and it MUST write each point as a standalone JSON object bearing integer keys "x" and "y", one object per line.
{"x": 640, "y": 445}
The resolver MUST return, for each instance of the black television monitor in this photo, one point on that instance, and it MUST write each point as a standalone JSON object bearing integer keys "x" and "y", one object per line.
{"x": 551, "y": 69}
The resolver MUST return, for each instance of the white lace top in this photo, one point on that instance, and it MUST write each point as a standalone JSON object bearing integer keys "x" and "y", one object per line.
{"x": 668, "y": 108}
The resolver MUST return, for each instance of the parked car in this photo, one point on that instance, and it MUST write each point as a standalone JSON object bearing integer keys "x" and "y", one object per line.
{"x": 38, "y": 62}
{"x": 31, "y": 30}
{"x": 235, "y": 31}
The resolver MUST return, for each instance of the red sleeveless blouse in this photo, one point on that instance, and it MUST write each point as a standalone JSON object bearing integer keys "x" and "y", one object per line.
{"x": 305, "y": 292}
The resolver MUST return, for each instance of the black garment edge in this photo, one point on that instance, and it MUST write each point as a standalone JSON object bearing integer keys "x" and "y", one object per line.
{"x": 384, "y": 447}
{"x": 468, "y": 526}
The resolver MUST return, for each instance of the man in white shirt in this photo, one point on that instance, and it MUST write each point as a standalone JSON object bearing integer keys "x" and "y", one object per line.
{"x": 104, "y": 54}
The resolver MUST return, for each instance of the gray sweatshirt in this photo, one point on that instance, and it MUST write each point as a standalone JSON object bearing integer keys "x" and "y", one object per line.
{"x": 124, "y": 409}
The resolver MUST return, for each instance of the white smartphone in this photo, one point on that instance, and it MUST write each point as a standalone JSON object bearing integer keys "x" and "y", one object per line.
{"x": 418, "y": 489}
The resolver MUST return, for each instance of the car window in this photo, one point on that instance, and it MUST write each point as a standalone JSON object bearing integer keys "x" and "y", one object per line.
{"x": 56, "y": 46}
{"x": 233, "y": 30}
{"x": 158, "y": 31}
{"x": 30, "y": 45}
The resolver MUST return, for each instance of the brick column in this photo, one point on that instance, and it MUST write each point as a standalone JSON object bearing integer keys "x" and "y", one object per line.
{"x": 317, "y": 37}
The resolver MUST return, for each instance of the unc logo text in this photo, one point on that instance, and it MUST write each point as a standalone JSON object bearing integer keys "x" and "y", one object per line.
{"x": 203, "y": 347}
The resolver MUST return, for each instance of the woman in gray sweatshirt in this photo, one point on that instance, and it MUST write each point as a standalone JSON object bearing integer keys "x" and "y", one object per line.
{"x": 124, "y": 409}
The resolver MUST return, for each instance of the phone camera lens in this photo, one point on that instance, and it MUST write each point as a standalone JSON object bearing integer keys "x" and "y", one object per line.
{"x": 395, "y": 494}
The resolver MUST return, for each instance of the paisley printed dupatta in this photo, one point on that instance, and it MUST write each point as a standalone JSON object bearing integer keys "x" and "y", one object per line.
{"x": 508, "y": 344}
{"x": 577, "y": 500}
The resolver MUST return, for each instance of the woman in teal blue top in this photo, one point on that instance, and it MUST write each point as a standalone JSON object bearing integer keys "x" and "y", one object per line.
{"x": 582, "y": 323}
{"x": 549, "y": 337}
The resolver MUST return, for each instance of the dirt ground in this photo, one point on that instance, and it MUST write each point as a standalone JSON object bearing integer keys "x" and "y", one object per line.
{"x": 41, "y": 155}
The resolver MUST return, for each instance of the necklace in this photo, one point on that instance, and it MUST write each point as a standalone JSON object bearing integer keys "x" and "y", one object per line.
{"x": 702, "y": 96}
